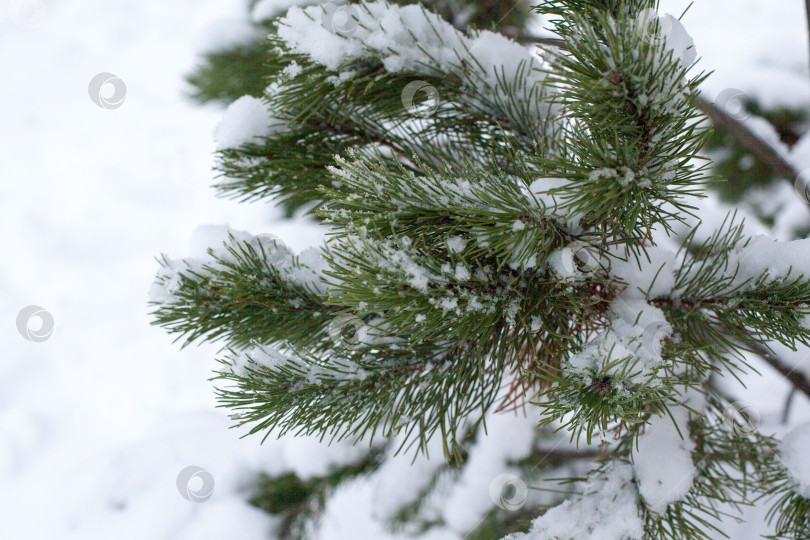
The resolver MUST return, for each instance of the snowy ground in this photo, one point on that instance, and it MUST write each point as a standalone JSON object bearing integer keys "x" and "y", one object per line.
{"x": 97, "y": 421}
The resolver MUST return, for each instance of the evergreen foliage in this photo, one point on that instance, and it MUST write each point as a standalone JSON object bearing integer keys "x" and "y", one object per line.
{"x": 226, "y": 75}
{"x": 501, "y": 245}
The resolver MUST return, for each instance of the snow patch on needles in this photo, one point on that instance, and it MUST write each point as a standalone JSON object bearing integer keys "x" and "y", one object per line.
{"x": 167, "y": 282}
{"x": 410, "y": 39}
{"x": 630, "y": 350}
{"x": 663, "y": 462}
{"x": 396, "y": 260}
{"x": 654, "y": 273}
{"x": 209, "y": 249}
{"x": 207, "y": 244}
{"x": 765, "y": 255}
{"x": 793, "y": 451}
{"x": 805, "y": 322}
{"x": 669, "y": 29}
{"x": 244, "y": 121}
{"x": 678, "y": 40}
{"x": 607, "y": 509}
{"x": 267, "y": 357}
{"x": 456, "y": 244}
{"x": 264, "y": 10}
{"x": 272, "y": 359}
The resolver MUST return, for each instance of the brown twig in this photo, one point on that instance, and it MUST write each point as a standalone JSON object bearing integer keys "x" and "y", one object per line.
{"x": 553, "y": 42}
{"x": 747, "y": 138}
{"x": 798, "y": 380}
{"x": 788, "y": 403}
{"x": 807, "y": 12}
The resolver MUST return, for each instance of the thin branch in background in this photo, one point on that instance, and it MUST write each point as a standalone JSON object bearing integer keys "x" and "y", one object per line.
{"x": 552, "y": 42}
{"x": 807, "y": 12}
{"x": 788, "y": 403}
{"x": 750, "y": 140}
{"x": 798, "y": 380}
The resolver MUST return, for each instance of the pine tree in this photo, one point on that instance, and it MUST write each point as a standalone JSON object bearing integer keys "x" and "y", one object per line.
{"x": 509, "y": 231}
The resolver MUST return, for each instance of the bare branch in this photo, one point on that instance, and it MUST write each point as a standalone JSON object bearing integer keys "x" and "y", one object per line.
{"x": 798, "y": 380}
{"x": 750, "y": 140}
{"x": 807, "y": 11}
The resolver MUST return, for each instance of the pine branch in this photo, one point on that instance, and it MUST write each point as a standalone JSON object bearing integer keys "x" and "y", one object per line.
{"x": 447, "y": 255}
{"x": 729, "y": 237}
{"x": 722, "y": 119}
{"x": 247, "y": 293}
{"x": 629, "y": 150}
{"x": 413, "y": 389}
{"x": 481, "y": 110}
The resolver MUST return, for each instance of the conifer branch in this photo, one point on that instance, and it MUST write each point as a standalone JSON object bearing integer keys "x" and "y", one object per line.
{"x": 722, "y": 119}
{"x": 455, "y": 255}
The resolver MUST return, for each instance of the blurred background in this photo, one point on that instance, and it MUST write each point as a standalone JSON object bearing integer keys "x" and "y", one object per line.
{"x": 101, "y": 414}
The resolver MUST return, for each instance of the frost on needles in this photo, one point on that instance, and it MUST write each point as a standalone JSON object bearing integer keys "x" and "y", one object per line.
{"x": 505, "y": 247}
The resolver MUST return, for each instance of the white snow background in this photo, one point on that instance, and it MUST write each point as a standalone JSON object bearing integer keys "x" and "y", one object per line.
{"x": 97, "y": 421}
